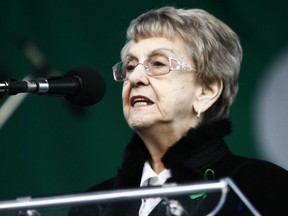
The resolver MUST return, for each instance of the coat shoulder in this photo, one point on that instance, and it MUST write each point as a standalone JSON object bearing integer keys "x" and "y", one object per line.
{"x": 264, "y": 184}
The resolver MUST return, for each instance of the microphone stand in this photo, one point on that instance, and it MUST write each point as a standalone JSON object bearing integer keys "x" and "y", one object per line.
{"x": 11, "y": 104}
{"x": 29, "y": 204}
{"x": 38, "y": 60}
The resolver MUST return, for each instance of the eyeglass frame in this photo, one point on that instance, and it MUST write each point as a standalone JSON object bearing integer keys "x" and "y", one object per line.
{"x": 181, "y": 66}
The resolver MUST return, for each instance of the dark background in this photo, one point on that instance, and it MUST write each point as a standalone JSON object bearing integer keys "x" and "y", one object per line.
{"x": 49, "y": 147}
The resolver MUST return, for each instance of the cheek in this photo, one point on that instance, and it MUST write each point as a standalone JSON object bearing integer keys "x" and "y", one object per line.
{"x": 125, "y": 94}
{"x": 182, "y": 96}
{"x": 125, "y": 100}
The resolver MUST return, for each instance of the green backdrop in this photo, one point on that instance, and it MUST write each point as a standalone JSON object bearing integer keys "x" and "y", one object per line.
{"x": 48, "y": 146}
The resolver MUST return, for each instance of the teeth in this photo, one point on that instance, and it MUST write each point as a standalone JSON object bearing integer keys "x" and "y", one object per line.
{"x": 140, "y": 103}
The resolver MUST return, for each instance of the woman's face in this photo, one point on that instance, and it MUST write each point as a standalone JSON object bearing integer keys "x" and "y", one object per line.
{"x": 159, "y": 101}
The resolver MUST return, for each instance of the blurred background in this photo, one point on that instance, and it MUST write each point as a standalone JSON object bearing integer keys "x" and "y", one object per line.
{"x": 50, "y": 147}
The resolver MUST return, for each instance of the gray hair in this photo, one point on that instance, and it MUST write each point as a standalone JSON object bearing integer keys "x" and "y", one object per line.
{"x": 213, "y": 47}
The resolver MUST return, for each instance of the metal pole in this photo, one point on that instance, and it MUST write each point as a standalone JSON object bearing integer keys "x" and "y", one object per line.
{"x": 111, "y": 196}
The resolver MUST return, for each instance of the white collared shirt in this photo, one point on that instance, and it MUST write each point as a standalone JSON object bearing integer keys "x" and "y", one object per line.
{"x": 149, "y": 177}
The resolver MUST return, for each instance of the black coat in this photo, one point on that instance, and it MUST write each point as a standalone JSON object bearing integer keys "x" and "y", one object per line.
{"x": 202, "y": 149}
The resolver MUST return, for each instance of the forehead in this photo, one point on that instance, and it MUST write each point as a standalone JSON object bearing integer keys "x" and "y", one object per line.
{"x": 146, "y": 47}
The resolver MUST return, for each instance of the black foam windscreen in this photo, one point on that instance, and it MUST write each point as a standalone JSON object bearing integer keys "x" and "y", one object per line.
{"x": 93, "y": 86}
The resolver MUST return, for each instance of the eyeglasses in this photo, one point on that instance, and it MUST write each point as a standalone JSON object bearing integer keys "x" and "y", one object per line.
{"x": 154, "y": 66}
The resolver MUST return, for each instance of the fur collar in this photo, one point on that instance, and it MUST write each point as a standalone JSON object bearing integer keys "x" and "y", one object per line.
{"x": 201, "y": 147}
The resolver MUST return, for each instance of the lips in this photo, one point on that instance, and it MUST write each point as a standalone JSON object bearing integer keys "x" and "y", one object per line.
{"x": 139, "y": 100}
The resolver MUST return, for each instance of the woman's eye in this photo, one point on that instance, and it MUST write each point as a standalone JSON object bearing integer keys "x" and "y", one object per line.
{"x": 129, "y": 68}
{"x": 159, "y": 61}
{"x": 158, "y": 64}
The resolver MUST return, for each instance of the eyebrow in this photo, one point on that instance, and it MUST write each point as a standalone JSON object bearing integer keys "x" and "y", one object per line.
{"x": 156, "y": 51}
{"x": 161, "y": 50}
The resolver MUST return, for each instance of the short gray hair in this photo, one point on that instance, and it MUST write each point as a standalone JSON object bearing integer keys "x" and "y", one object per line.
{"x": 213, "y": 47}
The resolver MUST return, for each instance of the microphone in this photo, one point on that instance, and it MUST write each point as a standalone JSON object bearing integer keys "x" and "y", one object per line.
{"x": 80, "y": 86}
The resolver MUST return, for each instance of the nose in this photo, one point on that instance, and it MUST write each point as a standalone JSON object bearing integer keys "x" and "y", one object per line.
{"x": 138, "y": 76}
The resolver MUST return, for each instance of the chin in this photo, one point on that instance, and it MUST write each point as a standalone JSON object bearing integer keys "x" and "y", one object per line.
{"x": 139, "y": 125}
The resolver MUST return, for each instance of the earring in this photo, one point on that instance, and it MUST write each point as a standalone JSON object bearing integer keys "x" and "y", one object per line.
{"x": 198, "y": 113}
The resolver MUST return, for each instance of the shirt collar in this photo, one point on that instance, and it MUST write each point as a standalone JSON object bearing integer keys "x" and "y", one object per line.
{"x": 148, "y": 173}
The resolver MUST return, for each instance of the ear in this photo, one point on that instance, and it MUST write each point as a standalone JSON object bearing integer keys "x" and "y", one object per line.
{"x": 207, "y": 95}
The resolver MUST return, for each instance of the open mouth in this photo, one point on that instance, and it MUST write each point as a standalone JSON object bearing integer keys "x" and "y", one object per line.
{"x": 138, "y": 101}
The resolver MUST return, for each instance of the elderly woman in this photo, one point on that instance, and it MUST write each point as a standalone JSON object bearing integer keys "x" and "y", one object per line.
{"x": 180, "y": 77}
